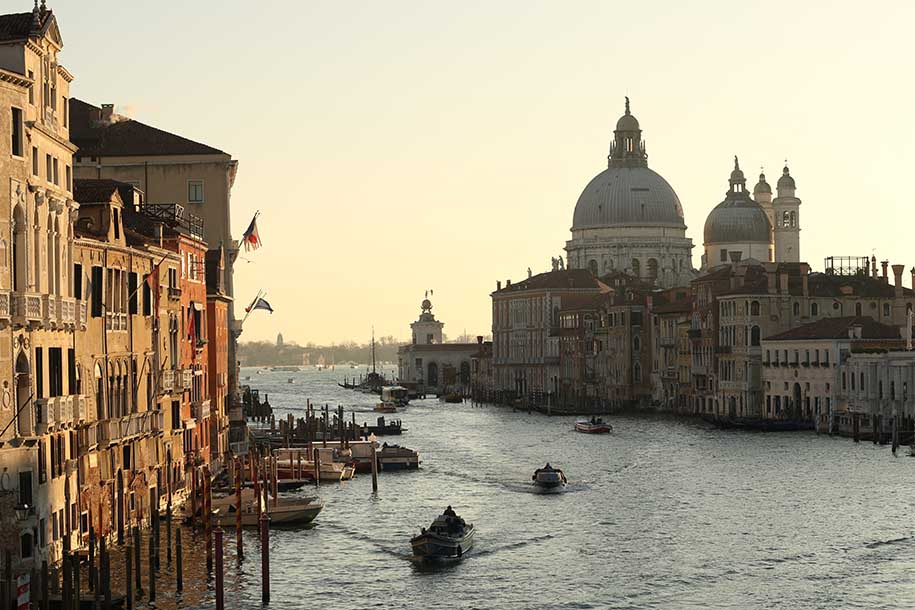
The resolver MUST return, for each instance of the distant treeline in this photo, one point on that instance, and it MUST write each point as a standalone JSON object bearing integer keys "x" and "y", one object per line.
{"x": 266, "y": 353}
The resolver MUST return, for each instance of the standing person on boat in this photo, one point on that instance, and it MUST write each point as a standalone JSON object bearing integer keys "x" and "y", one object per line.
{"x": 449, "y": 512}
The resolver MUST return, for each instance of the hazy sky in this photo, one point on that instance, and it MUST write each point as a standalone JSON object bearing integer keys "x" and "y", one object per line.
{"x": 398, "y": 146}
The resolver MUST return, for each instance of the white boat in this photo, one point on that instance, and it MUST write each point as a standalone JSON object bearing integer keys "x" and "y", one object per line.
{"x": 549, "y": 477}
{"x": 595, "y": 425}
{"x": 449, "y": 537}
{"x": 288, "y": 511}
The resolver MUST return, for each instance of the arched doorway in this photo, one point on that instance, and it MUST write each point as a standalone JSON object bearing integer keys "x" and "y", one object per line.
{"x": 432, "y": 375}
{"x": 23, "y": 396}
{"x": 465, "y": 374}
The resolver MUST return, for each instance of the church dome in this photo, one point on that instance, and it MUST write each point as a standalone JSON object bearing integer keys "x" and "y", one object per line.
{"x": 737, "y": 219}
{"x": 627, "y": 196}
{"x": 628, "y": 122}
{"x": 762, "y": 186}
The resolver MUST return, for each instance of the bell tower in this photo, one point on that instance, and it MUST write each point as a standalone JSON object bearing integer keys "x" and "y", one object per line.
{"x": 787, "y": 225}
{"x": 628, "y": 148}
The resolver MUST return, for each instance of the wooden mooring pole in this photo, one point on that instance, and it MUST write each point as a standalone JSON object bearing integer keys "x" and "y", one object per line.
{"x": 374, "y": 469}
{"x": 179, "y": 577}
{"x": 265, "y": 558}
{"x": 152, "y": 569}
{"x": 137, "y": 550}
{"x": 239, "y": 473}
{"x": 220, "y": 604}
{"x": 128, "y": 557}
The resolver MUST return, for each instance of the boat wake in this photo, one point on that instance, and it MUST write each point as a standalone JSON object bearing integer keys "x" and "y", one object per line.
{"x": 512, "y": 546}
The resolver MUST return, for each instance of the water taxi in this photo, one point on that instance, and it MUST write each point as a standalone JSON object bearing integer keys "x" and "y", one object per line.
{"x": 449, "y": 537}
{"x": 595, "y": 425}
{"x": 549, "y": 477}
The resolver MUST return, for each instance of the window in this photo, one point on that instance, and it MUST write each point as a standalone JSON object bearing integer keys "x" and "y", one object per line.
{"x": 34, "y": 160}
{"x": 49, "y": 172}
{"x": 96, "y": 288}
{"x": 56, "y": 167}
{"x": 65, "y": 110}
{"x": 195, "y": 191}
{"x": 724, "y": 255}
{"x": 69, "y": 179}
{"x": 754, "y": 336}
{"x": 32, "y": 89}
{"x": 16, "y": 132}
{"x": 25, "y": 541}
{"x": 77, "y": 281}
{"x": 147, "y": 297}
{"x": 132, "y": 305}
{"x": 55, "y": 372}
{"x": 72, "y": 379}
{"x": 797, "y": 308}
{"x": 754, "y": 308}
{"x": 117, "y": 224}
{"x": 886, "y": 310}
{"x": 814, "y": 309}
{"x": 25, "y": 488}
{"x": 39, "y": 373}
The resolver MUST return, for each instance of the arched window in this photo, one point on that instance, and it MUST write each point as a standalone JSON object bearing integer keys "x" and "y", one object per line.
{"x": 636, "y": 268}
{"x": 814, "y": 309}
{"x": 797, "y": 308}
{"x": 652, "y": 268}
{"x": 432, "y": 377}
{"x": 754, "y": 336}
{"x": 886, "y": 310}
{"x": 37, "y": 248}
{"x": 636, "y": 344}
{"x": 754, "y": 308}
{"x": 858, "y": 309}
{"x": 592, "y": 267}
{"x": 99, "y": 392}
{"x": 637, "y": 373}
{"x": 20, "y": 250}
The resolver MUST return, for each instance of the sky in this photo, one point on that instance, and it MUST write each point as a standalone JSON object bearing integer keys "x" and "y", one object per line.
{"x": 396, "y": 147}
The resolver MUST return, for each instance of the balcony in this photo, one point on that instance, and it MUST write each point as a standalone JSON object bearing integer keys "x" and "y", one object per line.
{"x": 49, "y": 310}
{"x": 83, "y": 312}
{"x": 200, "y": 410}
{"x": 5, "y": 306}
{"x": 67, "y": 311}
{"x": 174, "y": 293}
{"x": 88, "y": 437}
{"x": 694, "y": 333}
{"x": 80, "y": 409}
{"x": 167, "y": 381}
{"x": 187, "y": 379}
{"x": 44, "y": 416}
{"x": 26, "y": 309}
{"x": 116, "y": 322}
{"x": 156, "y": 421}
{"x": 63, "y": 409}
{"x": 724, "y": 349}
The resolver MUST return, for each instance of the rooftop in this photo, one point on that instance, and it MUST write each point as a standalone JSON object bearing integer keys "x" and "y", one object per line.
{"x": 838, "y": 328}
{"x": 124, "y": 137}
{"x": 580, "y": 279}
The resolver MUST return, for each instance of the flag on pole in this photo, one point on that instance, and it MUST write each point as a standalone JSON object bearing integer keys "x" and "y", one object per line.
{"x": 192, "y": 332}
{"x": 252, "y": 238}
{"x": 152, "y": 280}
{"x": 259, "y": 303}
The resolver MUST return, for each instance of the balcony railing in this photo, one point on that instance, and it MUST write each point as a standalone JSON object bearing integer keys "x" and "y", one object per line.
{"x": 167, "y": 380}
{"x": 116, "y": 321}
{"x": 63, "y": 409}
{"x": 200, "y": 410}
{"x": 83, "y": 314}
{"x": 157, "y": 421}
{"x": 26, "y": 309}
{"x": 174, "y": 292}
{"x": 44, "y": 416}
{"x": 49, "y": 310}
{"x": 187, "y": 379}
{"x": 80, "y": 409}
{"x": 88, "y": 437}
{"x": 5, "y": 306}
{"x": 67, "y": 311}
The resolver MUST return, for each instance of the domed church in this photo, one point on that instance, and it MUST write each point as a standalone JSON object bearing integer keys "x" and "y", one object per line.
{"x": 629, "y": 218}
{"x": 758, "y": 228}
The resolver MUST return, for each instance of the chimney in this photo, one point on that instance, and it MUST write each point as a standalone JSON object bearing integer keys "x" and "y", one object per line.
{"x": 107, "y": 117}
{"x": 479, "y": 339}
{"x": 508, "y": 283}
{"x": 498, "y": 285}
{"x": 897, "y": 278}
{"x": 884, "y": 265}
{"x": 770, "y": 280}
{"x": 913, "y": 278}
{"x": 874, "y": 266}
{"x": 783, "y": 283}
{"x": 805, "y": 271}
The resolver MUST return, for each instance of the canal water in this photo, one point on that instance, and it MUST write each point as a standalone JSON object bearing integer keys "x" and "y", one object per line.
{"x": 663, "y": 513}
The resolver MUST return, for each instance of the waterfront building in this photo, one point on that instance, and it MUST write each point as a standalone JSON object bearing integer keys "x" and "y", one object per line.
{"x": 218, "y": 349}
{"x": 582, "y": 358}
{"x": 671, "y": 314}
{"x": 629, "y": 218}
{"x": 876, "y": 397}
{"x": 433, "y": 366}
{"x": 525, "y": 331}
{"x": 629, "y": 341}
{"x": 41, "y": 404}
{"x": 167, "y": 168}
{"x": 481, "y": 375}
{"x": 807, "y": 373}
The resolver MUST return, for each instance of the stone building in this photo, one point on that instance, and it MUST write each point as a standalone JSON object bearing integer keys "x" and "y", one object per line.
{"x": 433, "y": 366}
{"x": 628, "y": 345}
{"x": 671, "y": 314}
{"x": 582, "y": 358}
{"x": 812, "y": 372}
{"x": 481, "y": 377}
{"x": 218, "y": 349}
{"x": 629, "y": 218}
{"x": 168, "y": 169}
{"x": 876, "y": 400}
{"x": 525, "y": 332}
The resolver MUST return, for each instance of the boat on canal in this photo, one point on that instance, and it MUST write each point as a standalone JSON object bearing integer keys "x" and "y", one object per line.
{"x": 287, "y": 511}
{"x": 386, "y": 407}
{"x": 549, "y": 477}
{"x": 448, "y": 538}
{"x": 383, "y": 428}
{"x": 395, "y": 394}
{"x": 595, "y": 425}
{"x": 395, "y": 457}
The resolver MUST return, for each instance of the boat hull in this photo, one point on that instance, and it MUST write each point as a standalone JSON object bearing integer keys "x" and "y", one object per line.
{"x": 548, "y": 480}
{"x": 589, "y": 428}
{"x": 430, "y": 546}
{"x": 279, "y": 515}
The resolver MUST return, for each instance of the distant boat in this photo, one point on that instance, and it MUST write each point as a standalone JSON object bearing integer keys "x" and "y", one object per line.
{"x": 395, "y": 457}
{"x": 549, "y": 477}
{"x": 290, "y": 380}
{"x": 386, "y": 407}
{"x": 286, "y": 369}
{"x": 288, "y": 511}
{"x": 593, "y": 426}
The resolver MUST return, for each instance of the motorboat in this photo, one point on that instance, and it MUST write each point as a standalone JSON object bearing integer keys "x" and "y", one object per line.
{"x": 290, "y": 380}
{"x": 396, "y": 394}
{"x": 595, "y": 425}
{"x": 549, "y": 477}
{"x": 449, "y": 537}
{"x": 286, "y": 511}
{"x": 395, "y": 457}
{"x": 386, "y": 407}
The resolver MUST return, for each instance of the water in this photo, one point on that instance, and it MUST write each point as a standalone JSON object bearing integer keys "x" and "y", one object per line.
{"x": 663, "y": 513}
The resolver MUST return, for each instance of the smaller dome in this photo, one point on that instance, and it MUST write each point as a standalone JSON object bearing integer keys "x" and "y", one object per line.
{"x": 737, "y": 221}
{"x": 786, "y": 181}
{"x": 762, "y": 186}
{"x": 627, "y": 122}
{"x": 426, "y": 305}
{"x": 737, "y": 174}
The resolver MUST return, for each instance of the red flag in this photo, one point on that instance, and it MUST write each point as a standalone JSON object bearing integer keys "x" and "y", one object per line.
{"x": 152, "y": 280}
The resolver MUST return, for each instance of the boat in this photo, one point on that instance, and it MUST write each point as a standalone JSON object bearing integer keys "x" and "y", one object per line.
{"x": 395, "y": 394}
{"x": 386, "y": 407}
{"x": 595, "y": 425}
{"x": 287, "y": 511}
{"x": 395, "y": 457}
{"x": 286, "y": 369}
{"x": 449, "y": 537}
{"x": 549, "y": 477}
{"x": 383, "y": 428}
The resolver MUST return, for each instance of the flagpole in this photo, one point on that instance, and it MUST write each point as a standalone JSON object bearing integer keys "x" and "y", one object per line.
{"x": 137, "y": 289}
{"x": 251, "y": 306}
